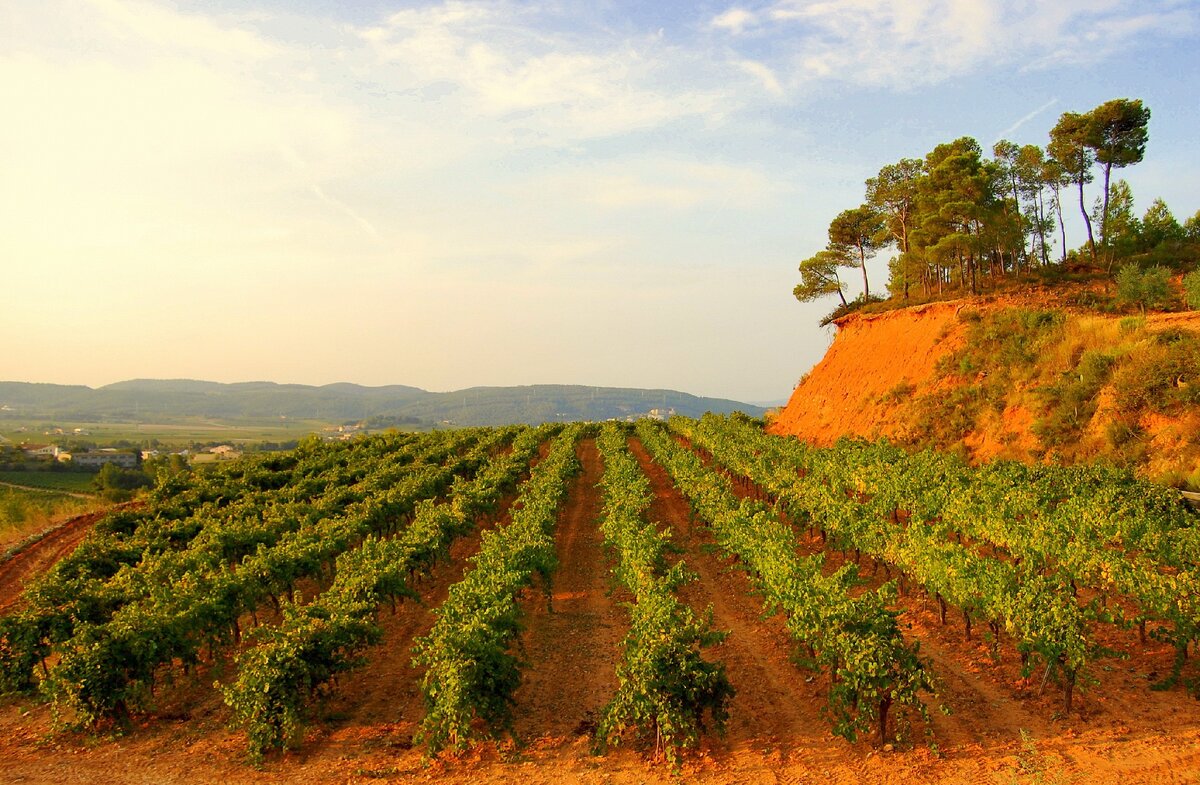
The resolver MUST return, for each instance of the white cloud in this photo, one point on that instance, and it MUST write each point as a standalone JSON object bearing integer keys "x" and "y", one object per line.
{"x": 640, "y": 184}
{"x": 564, "y": 86}
{"x": 162, "y": 28}
{"x": 764, "y": 74}
{"x": 735, "y": 20}
{"x": 140, "y": 135}
{"x": 902, "y": 44}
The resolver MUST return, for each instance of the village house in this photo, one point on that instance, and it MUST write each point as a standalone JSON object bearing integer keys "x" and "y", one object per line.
{"x": 40, "y": 450}
{"x": 94, "y": 459}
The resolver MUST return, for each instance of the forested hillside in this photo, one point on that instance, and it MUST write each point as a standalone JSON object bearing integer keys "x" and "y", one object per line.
{"x": 148, "y": 399}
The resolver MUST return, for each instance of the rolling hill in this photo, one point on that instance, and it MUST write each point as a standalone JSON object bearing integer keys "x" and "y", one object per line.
{"x": 148, "y": 400}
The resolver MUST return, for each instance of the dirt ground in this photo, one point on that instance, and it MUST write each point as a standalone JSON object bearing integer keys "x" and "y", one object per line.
{"x": 37, "y": 557}
{"x": 1121, "y": 733}
{"x": 880, "y": 363}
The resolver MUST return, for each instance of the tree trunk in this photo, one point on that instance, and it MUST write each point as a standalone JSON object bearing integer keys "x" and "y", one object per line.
{"x": 884, "y": 705}
{"x": 1104, "y": 212}
{"x": 1104, "y": 221}
{"x": 1017, "y": 258}
{"x": 1062, "y": 226}
{"x": 1087, "y": 221}
{"x": 1041, "y": 212}
{"x": 862, "y": 257}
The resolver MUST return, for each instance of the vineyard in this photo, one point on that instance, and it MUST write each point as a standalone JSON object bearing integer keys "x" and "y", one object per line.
{"x": 615, "y": 603}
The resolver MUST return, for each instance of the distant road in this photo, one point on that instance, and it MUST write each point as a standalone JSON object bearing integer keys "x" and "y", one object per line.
{"x": 72, "y": 494}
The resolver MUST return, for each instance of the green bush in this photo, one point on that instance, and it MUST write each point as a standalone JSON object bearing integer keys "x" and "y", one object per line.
{"x": 112, "y": 478}
{"x": 1132, "y": 324}
{"x": 1191, "y": 289}
{"x": 1149, "y": 288}
{"x": 1162, "y": 377}
{"x": 1072, "y": 400}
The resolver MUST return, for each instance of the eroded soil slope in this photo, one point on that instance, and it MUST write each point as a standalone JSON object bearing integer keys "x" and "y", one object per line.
{"x": 852, "y": 390}
{"x": 901, "y": 375}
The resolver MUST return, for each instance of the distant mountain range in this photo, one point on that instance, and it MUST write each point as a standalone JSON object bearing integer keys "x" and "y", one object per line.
{"x": 150, "y": 400}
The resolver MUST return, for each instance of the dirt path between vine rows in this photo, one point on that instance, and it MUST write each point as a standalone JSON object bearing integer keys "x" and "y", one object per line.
{"x": 572, "y": 651}
{"x": 775, "y": 717}
{"x": 379, "y": 706}
{"x": 979, "y": 713}
{"x": 1120, "y": 731}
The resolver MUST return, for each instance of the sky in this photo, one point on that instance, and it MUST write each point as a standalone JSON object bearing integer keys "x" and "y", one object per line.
{"x": 462, "y": 193}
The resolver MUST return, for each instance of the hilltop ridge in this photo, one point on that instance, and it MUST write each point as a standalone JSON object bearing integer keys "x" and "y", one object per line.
{"x": 138, "y": 399}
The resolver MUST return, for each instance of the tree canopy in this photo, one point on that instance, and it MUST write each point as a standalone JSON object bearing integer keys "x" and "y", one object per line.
{"x": 959, "y": 220}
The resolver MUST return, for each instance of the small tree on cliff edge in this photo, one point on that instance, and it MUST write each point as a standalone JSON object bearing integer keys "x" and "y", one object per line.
{"x": 859, "y": 229}
{"x": 818, "y": 275}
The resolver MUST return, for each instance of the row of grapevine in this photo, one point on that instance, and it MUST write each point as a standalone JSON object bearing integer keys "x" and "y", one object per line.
{"x": 209, "y": 521}
{"x": 1029, "y": 544}
{"x": 293, "y": 660}
{"x": 665, "y": 686}
{"x": 105, "y": 669}
{"x": 470, "y": 670}
{"x": 1037, "y": 609}
{"x": 1101, "y": 527}
{"x": 852, "y": 636}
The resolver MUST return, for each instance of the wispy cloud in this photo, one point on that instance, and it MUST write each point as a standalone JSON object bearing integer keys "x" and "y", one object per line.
{"x": 735, "y": 20}
{"x": 1024, "y": 119}
{"x": 512, "y": 63}
{"x": 919, "y": 42}
{"x": 345, "y": 208}
{"x": 648, "y": 183}
{"x": 154, "y": 25}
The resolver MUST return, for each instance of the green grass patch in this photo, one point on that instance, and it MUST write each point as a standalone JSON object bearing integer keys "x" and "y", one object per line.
{"x": 172, "y": 433}
{"x": 73, "y": 482}
{"x": 23, "y": 513}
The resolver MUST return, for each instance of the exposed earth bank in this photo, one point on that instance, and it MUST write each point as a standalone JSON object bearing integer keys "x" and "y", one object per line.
{"x": 891, "y": 374}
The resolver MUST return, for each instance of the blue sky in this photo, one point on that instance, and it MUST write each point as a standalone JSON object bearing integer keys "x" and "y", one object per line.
{"x": 460, "y": 193}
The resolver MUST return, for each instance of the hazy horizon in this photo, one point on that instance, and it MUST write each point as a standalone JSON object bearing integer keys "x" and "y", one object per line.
{"x": 458, "y": 194}
{"x": 378, "y": 386}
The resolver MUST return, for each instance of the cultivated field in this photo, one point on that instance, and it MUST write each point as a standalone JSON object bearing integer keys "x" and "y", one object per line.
{"x": 492, "y": 605}
{"x": 172, "y": 433}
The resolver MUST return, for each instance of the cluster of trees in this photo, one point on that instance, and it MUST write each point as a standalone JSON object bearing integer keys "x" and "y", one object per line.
{"x": 117, "y": 484}
{"x": 957, "y": 219}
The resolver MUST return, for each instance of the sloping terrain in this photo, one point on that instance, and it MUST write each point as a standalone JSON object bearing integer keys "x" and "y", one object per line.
{"x": 996, "y": 379}
{"x": 991, "y": 722}
{"x": 850, "y": 391}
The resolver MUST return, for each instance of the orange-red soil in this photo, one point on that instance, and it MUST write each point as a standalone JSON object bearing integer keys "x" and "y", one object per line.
{"x": 1122, "y": 732}
{"x": 37, "y": 557}
{"x": 878, "y": 363}
{"x": 852, "y": 390}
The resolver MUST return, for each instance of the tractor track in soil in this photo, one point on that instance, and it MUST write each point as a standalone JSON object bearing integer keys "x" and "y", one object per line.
{"x": 572, "y": 650}
{"x": 776, "y": 710}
